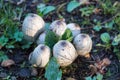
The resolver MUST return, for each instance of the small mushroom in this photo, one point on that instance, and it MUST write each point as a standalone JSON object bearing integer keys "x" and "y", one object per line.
{"x": 64, "y": 52}
{"x": 83, "y": 44}
{"x": 41, "y": 39}
{"x": 32, "y": 26}
{"x": 58, "y": 27}
{"x": 75, "y": 28}
{"x": 40, "y": 56}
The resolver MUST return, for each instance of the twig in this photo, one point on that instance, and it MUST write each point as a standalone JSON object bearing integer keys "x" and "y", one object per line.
{"x": 109, "y": 19}
{"x": 87, "y": 28}
{"x": 59, "y": 8}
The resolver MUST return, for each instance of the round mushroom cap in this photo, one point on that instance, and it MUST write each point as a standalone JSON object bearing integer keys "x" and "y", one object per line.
{"x": 64, "y": 52}
{"x": 75, "y": 28}
{"x": 40, "y": 56}
{"x": 58, "y": 27}
{"x": 32, "y": 26}
{"x": 41, "y": 38}
{"x": 83, "y": 44}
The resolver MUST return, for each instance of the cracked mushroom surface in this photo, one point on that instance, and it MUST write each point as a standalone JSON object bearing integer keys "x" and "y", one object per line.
{"x": 64, "y": 52}
{"x": 83, "y": 44}
{"x": 75, "y": 28}
{"x": 32, "y": 26}
{"x": 40, "y": 56}
{"x": 58, "y": 27}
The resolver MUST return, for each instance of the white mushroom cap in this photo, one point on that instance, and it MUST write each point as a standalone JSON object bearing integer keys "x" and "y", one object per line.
{"x": 83, "y": 44}
{"x": 40, "y": 56}
{"x": 41, "y": 39}
{"x": 75, "y": 28}
{"x": 64, "y": 52}
{"x": 58, "y": 27}
{"x": 32, "y": 26}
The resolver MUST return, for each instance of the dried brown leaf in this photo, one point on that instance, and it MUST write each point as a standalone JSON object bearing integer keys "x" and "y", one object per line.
{"x": 106, "y": 61}
{"x": 93, "y": 69}
{"x": 7, "y": 63}
{"x": 96, "y": 10}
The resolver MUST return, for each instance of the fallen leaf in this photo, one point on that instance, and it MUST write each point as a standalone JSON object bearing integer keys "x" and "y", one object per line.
{"x": 101, "y": 65}
{"x": 93, "y": 69}
{"x": 106, "y": 61}
{"x": 96, "y": 10}
{"x": 7, "y": 63}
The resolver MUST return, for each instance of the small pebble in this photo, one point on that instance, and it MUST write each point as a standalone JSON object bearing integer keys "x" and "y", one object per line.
{"x": 34, "y": 72}
{"x": 24, "y": 72}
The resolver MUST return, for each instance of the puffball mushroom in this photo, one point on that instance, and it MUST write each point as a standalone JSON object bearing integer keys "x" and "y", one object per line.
{"x": 40, "y": 56}
{"x": 64, "y": 52}
{"x": 41, "y": 38}
{"x": 58, "y": 27}
{"x": 83, "y": 44}
{"x": 32, "y": 26}
{"x": 75, "y": 28}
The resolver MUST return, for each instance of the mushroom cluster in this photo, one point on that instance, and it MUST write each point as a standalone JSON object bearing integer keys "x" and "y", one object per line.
{"x": 64, "y": 51}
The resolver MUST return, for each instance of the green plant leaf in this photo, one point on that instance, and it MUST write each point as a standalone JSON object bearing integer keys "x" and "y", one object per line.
{"x": 3, "y": 41}
{"x": 51, "y": 38}
{"x": 72, "y": 5}
{"x": 3, "y": 56}
{"x": 40, "y": 9}
{"x": 41, "y": 6}
{"x": 108, "y": 73}
{"x": 67, "y": 35}
{"x": 18, "y": 36}
{"x": 48, "y": 9}
{"x": 94, "y": 78}
{"x": 97, "y": 28}
{"x": 116, "y": 40}
{"x": 86, "y": 11}
{"x": 26, "y": 44}
{"x": 43, "y": 9}
{"x": 105, "y": 37}
{"x": 10, "y": 46}
{"x": 88, "y": 78}
{"x": 10, "y": 31}
{"x": 99, "y": 77}
{"x": 109, "y": 25}
{"x": 52, "y": 71}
